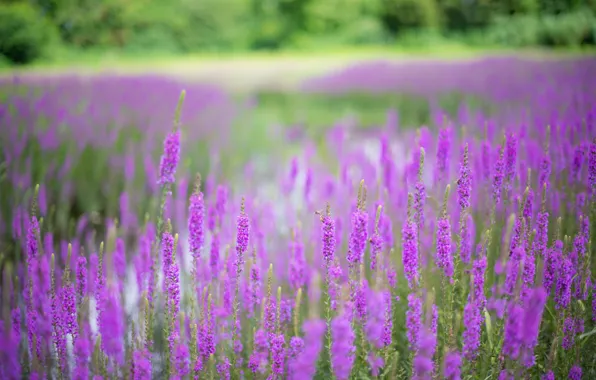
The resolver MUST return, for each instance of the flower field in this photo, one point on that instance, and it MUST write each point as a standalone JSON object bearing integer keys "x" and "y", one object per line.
{"x": 155, "y": 229}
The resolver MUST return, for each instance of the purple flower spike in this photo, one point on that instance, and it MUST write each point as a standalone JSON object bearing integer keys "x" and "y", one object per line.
{"x": 464, "y": 183}
{"x": 328, "y": 236}
{"x": 81, "y": 278}
{"x": 196, "y": 212}
{"x": 575, "y": 373}
{"x": 472, "y": 330}
{"x": 358, "y": 234}
{"x": 297, "y": 261}
{"x": 410, "y": 252}
{"x": 423, "y": 361}
{"x": 376, "y": 242}
{"x": 414, "y": 320}
{"x": 552, "y": 263}
{"x": 342, "y": 347}
{"x": 142, "y": 365}
{"x": 444, "y": 248}
{"x": 512, "y": 274}
{"x": 242, "y": 236}
{"x": 498, "y": 176}
{"x": 512, "y": 331}
{"x": 592, "y": 166}
{"x": 452, "y": 369}
{"x": 443, "y": 149}
{"x": 169, "y": 158}
{"x": 278, "y": 355}
{"x": 566, "y": 271}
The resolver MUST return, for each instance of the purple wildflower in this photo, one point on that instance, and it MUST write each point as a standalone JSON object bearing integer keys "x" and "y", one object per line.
{"x": 112, "y": 328}
{"x": 419, "y": 201}
{"x": 594, "y": 302}
{"x": 242, "y": 236}
{"x": 528, "y": 274}
{"x": 434, "y": 323}
{"x": 360, "y": 302}
{"x": 269, "y": 318}
{"x": 388, "y": 325}
{"x": 297, "y": 262}
{"x": 296, "y": 346}
{"x": 410, "y": 252}
{"x": 512, "y": 331}
{"x": 452, "y": 369}
{"x": 464, "y": 183}
{"x": 592, "y": 166}
{"x": 575, "y": 373}
{"x": 466, "y": 239}
{"x": 423, "y": 361}
{"x": 376, "y": 242}
{"x": 478, "y": 274}
{"x": 541, "y": 239}
{"x": 472, "y": 330}
{"x": 69, "y": 309}
{"x": 578, "y": 159}
{"x": 444, "y": 257}
{"x": 9, "y": 356}
{"x": 223, "y": 368}
{"x": 533, "y": 309}
{"x": 15, "y": 318}
{"x": 169, "y": 158}
{"x": 81, "y": 278}
{"x": 357, "y": 237}
{"x": 254, "y": 295}
{"x": 82, "y": 352}
{"x": 498, "y": 177}
{"x": 278, "y": 355}
{"x": 214, "y": 254}
{"x": 196, "y": 215}
{"x": 303, "y": 367}
{"x": 568, "y": 333}
{"x": 506, "y": 375}
{"x": 375, "y": 362}
{"x": 528, "y": 206}
{"x": 511, "y": 157}
{"x": 167, "y": 250}
{"x": 550, "y": 375}
{"x": 342, "y": 347}
{"x": 565, "y": 275}
{"x": 120, "y": 259}
{"x": 485, "y": 159}
{"x": 513, "y": 271}
{"x": 173, "y": 287}
{"x": 258, "y": 359}
{"x": 142, "y": 365}
{"x": 413, "y": 320}
{"x": 328, "y": 239}
{"x": 375, "y": 319}
{"x": 443, "y": 148}
{"x": 553, "y": 259}
{"x": 181, "y": 356}
{"x": 545, "y": 170}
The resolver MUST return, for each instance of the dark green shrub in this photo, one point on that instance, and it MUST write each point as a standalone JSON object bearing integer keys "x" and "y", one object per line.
{"x": 402, "y": 15}
{"x": 24, "y": 33}
{"x": 515, "y": 31}
{"x": 569, "y": 29}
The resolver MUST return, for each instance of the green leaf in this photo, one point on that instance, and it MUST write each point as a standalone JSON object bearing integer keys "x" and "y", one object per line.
{"x": 588, "y": 334}
{"x": 489, "y": 328}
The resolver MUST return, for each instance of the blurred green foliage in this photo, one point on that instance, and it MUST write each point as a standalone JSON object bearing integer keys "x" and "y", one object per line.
{"x": 184, "y": 26}
{"x": 24, "y": 33}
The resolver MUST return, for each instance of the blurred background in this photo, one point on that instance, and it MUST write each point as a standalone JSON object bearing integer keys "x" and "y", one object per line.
{"x": 92, "y": 30}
